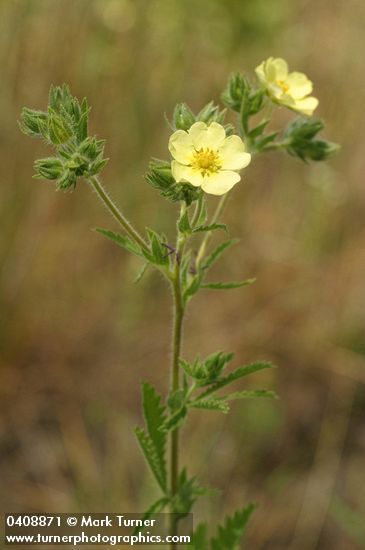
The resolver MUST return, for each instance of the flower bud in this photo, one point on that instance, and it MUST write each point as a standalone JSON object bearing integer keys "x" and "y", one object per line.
{"x": 183, "y": 117}
{"x": 49, "y": 168}
{"x": 33, "y": 123}
{"x": 59, "y": 130}
{"x": 68, "y": 180}
{"x": 237, "y": 89}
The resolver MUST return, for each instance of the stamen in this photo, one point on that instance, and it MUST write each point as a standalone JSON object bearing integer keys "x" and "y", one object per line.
{"x": 206, "y": 160}
{"x": 282, "y": 85}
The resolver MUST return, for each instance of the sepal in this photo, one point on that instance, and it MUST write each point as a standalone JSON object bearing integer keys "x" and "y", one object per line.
{"x": 160, "y": 178}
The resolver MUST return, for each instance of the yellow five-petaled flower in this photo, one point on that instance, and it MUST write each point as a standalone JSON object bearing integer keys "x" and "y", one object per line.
{"x": 285, "y": 88}
{"x": 205, "y": 157}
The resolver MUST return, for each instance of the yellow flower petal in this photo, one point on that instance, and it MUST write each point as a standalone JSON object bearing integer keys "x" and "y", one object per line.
{"x": 260, "y": 72}
{"x": 183, "y": 173}
{"x": 197, "y": 133}
{"x": 299, "y": 85}
{"x": 221, "y": 182}
{"x": 276, "y": 69}
{"x": 306, "y": 106}
{"x": 204, "y": 136}
{"x": 216, "y": 135}
{"x": 181, "y": 146}
{"x": 232, "y": 154}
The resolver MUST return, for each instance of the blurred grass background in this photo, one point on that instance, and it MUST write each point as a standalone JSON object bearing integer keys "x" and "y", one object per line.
{"x": 77, "y": 337}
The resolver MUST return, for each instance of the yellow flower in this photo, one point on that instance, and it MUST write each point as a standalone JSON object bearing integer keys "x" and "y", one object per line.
{"x": 289, "y": 89}
{"x": 205, "y": 157}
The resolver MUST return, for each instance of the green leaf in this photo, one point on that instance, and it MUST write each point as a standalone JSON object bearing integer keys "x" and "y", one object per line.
{"x": 193, "y": 287}
{"x": 249, "y": 394}
{"x": 211, "y": 227}
{"x": 229, "y": 535}
{"x": 184, "y": 224}
{"x": 200, "y": 537}
{"x": 241, "y": 372}
{"x": 187, "y": 493}
{"x": 120, "y": 240}
{"x": 210, "y": 404}
{"x": 151, "y": 457}
{"x": 266, "y": 140}
{"x": 217, "y": 252}
{"x": 257, "y": 131}
{"x": 226, "y": 286}
{"x": 153, "y": 443}
{"x": 207, "y": 371}
{"x": 154, "y": 414}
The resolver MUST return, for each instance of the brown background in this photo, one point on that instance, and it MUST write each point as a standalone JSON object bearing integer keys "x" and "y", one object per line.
{"x": 76, "y": 335}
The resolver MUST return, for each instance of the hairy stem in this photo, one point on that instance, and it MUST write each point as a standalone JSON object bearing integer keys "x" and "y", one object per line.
{"x": 179, "y": 310}
{"x": 114, "y": 210}
{"x": 208, "y": 235}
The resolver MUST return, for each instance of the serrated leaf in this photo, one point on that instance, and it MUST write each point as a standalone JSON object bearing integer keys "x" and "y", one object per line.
{"x": 151, "y": 457}
{"x": 200, "y": 537}
{"x": 241, "y": 372}
{"x": 207, "y": 371}
{"x": 153, "y": 443}
{"x": 229, "y": 535}
{"x": 120, "y": 240}
{"x": 249, "y": 394}
{"x": 187, "y": 493}
{"x": 154, "y": 414}
{"x": 210, "y": 404}
{"x": 227, "y": 286}
{"x": 217, "y": 252}
{"x": 210, "y": 227}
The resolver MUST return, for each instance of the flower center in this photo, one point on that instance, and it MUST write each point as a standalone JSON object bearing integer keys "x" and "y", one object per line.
{"x": 282, "y": 85}
{"x": 206, "y": 161}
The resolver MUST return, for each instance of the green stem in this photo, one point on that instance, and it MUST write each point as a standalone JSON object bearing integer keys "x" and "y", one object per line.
{"x": 179, "y": 311}
{"x": 114, "y": 210}
{"x": 208, "y": 235}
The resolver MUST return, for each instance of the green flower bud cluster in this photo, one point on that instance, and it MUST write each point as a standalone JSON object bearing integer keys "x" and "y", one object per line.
{"x": 65, "y": 126}
{"x": 300, "y": 140}
{"x": 242, "y": 97}
{"x": 183, "y": 117}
